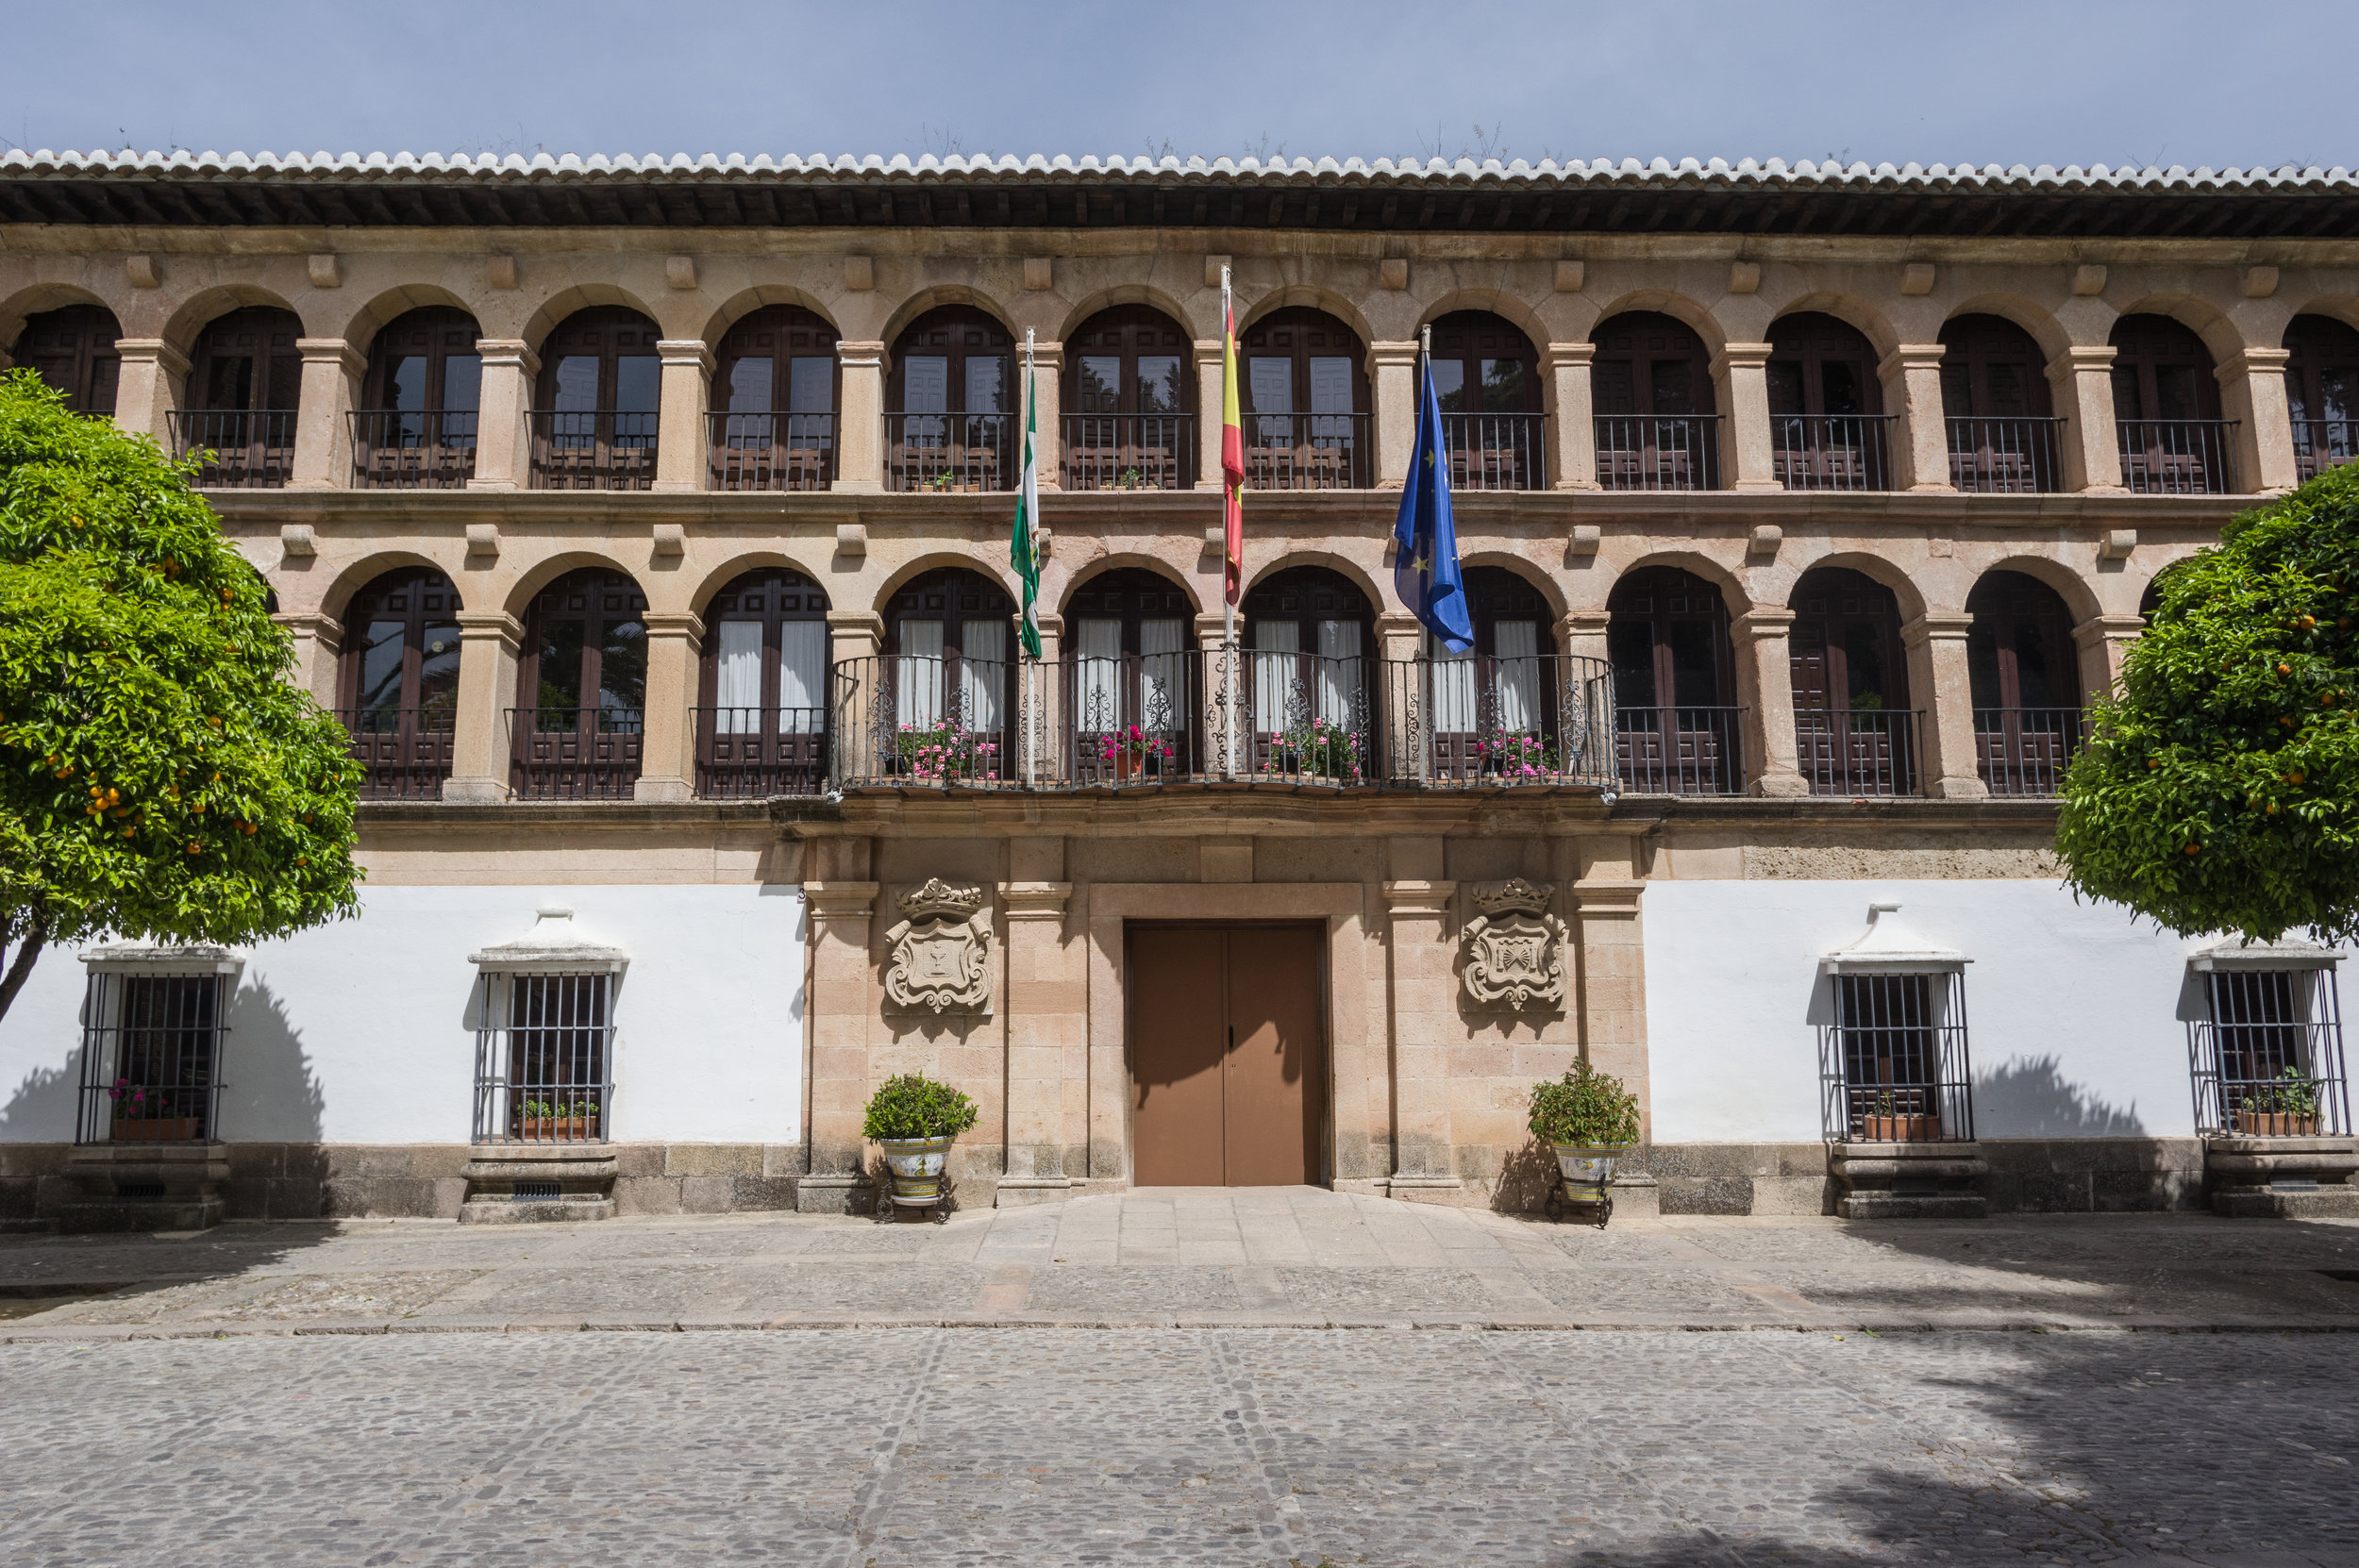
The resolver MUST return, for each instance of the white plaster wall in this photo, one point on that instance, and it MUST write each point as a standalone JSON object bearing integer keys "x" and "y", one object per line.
{"x": 362, "y": 1032}
{"x": 2072, "y": 1009}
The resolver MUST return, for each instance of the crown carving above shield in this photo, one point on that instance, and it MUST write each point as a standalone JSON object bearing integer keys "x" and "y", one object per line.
{"x": 1514, "y": 897}
{"x": 938, "y": 897}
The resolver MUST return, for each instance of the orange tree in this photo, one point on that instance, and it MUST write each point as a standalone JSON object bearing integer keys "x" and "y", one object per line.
{"x": 158, "y": 776}
{"x": 2219, "y": 791}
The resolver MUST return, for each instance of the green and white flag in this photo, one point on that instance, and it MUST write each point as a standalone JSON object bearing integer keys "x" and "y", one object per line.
{"x": 1023, "y": 549}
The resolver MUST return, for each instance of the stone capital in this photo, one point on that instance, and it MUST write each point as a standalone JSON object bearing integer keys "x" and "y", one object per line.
{"x": 2083, "y": 359}
{"x": 1607, "y": 900}
{"x": 868, "y": 352}
{"x": 353, "y": 361}
{"x": 1387, "y": 353}
{"x": 1034, "y": 900}
{"x": 1741, "y": 357}
{"x": 673, "y": 622}
{"x": 675, "y": 351}
{"x": 322, "y": 627}
{"x": 154, "y": 349}
{"x": 2107, "y": 629}
{"x": 1765, "y": 623}
{"x": 1908, "y": 357}
{"x": 847, "y": 901}
{"x": 1936, "y": 626}
{"x": 483, "y": 626}
{"x": 1584, "y": 623}
{"x": 509, "y": 351}
{"x": 1559, "y": 356}
{"x": 2254, "y": 361}
{"x": 1207, "y": 351}
{"x": 1419, "y": 898}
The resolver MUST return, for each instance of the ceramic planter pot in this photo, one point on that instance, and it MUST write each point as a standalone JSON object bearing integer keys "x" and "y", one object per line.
{"x": 1900, "y": 1129}
{"x": 917, "y": 1165}
{"x": 2262, "y": 1123}
{"x": 1588, "y": 1169}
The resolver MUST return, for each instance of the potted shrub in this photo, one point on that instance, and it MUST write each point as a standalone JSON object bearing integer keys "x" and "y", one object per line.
{"x": 916, "y": 1119}
{"x": 143, "y": 1115}
{"x": 1132, "y": 752}
{"x": 1591, "y": 1121}
{"x": 1322, "y": 749}
{"x": 2287, "y": 1106}
{"x": 555, "y": 1121}
{"x": 1887, "y": 1123}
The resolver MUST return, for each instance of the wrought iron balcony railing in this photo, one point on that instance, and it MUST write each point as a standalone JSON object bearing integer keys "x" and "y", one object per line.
{"x": 1832, "y": 451}
{"x": 592, "y": 451}
{"x": 1681, "y": 751}
{"x": 772, "y": 451}
{"x": 952, "y": 451}
{"x": 1859, "y": 752}
{"x": 2024, "y": 751}
{"x": 1658, "y": 452}
{"x": 2323, "y": 443}
{"x": 1496, "y": 450}
{"x": 1130, "y": 452}
{"x": 413, "y": 449}
{"x": 405, "y": 751}
{"x": 574, "y": 753}
{"x": 2004, "y": 456}
{"x": 243, "y": 450}
{"x": 2176, "y": 457}
{"x": 1307, "y": 452}
{"x": 753, "y": 752}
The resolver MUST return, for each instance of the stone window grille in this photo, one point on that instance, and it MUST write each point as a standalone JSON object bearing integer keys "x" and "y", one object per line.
{"x": 153, "y": 1027}
{"x": 2265, "y": 1043}
{"x": 1894, "y": 1065}
{"x": 546, "y": 1036}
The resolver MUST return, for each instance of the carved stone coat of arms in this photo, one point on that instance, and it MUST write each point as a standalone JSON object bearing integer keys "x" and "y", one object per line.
{"x": 1514, "y": 950}
{"x": 940, "y": 951}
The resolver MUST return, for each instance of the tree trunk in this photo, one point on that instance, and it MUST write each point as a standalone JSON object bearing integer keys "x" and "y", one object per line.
{"x": 34, "y": 938}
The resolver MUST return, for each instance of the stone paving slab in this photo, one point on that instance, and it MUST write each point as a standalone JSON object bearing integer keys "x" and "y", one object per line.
{"x": 1273, "y": 1257}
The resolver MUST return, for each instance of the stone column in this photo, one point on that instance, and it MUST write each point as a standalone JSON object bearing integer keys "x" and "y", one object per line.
{"x": 1612, "y": 967}
{"x": 840, "y": 1002}
{"x": 2102, "y": 640}
{"x": 859, "y": 433}
{"x": 1572, "y": 440}
{"x": 1764, "y": 684}
{"x": 148, "y": 388}
{"x": 2082, "y": 381}
{"x": 1048, "y": 385}
{"x": 503, "y": 443}
{"x": 667, "y": 740}
{"x": 1393, "y": 378}
{"x": 1209, "y": 412}
{"x": 330, "y": 389}
{"x": 1581, "y": 633}
{"x": 1740, "y": 380}
{"x": 1425, "y": 1021}
{"x": 2252, "y": 393}
{"x": 487, "y": 644}
{"x": 1048, "y": 1027}
{"x": 1946, "y": 765}
{"x": 318, "y": 640}
{"x": 682, "y": 448}
{"x": 853, "y": 687}
{"x": 1399, "y": 697}
{"x": 1920, "y": 445}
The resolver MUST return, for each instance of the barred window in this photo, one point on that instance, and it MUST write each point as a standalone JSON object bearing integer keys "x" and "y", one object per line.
{"x": 544, "y": 1058}
{"x": 151, "y": 1053}
{"x": 1894, "y": 1059}
{"x": 2267, "y": 1050}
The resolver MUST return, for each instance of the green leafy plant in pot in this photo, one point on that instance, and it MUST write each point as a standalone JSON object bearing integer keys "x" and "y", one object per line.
{"x": 916, "y": 1121}
{"x": 1591, "y": 1121}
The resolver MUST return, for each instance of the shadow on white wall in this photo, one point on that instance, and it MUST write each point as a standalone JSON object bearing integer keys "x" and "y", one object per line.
{"x": 2030, "y": 1098}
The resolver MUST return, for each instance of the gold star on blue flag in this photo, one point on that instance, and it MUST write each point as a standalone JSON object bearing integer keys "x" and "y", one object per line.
{"x": 1425, "y": 557}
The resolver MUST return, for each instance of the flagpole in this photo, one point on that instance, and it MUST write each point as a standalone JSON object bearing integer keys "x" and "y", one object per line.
{"x": 1031, "y": 542}
{"x": 1227, "y": 606}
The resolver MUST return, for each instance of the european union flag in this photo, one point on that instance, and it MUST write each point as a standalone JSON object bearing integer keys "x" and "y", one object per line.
{"x": 1425, "y": 557}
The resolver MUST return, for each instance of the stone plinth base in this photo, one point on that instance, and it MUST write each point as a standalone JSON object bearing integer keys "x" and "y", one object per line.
{"x": 2283, "y": 1178}
{"x": 1027, "y": 1191}
{"x": 834, "y": 1195}
{"x": 1637, "y": 1198}
{"x": 511, "y": 1183}
{"x": 145, "y": 1187}
{"x": 1431, "y": 1189}
{"x": 1908, "y": 1181}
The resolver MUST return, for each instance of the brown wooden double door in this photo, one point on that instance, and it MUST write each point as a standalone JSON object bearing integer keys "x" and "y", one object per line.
{"x": 1227, "y": 1054}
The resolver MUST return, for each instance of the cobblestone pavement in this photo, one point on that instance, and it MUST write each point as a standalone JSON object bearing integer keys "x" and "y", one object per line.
{"x": 1263, "y": 1257}
{"x": 973, "y": 1447}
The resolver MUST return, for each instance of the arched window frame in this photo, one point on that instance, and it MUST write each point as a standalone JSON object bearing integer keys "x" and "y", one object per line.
{"x": 960, "y": 434}
{"x": 421, "y": 400}
{"x": 1318, "y": 441}
{"x": 596, "y": 404}
{"x": 778, "y": 382}
{"x": 589, "y": 748}
{"x": 1138, "y": 432}
{"x": 73, "y": 349}
{"x": 1855, "y": 734}
{"x": 1311, "y": 636}
{"x": 762, "y": 687}
{"x": 951, "y": 667}
{"x": 2322, "y": 392}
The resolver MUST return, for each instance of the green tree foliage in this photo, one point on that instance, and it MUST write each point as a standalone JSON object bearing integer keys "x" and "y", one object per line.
{"x": 915, "y": 1105}
{"x": 2220, "y": 790}
{"x": 158, "y": 777}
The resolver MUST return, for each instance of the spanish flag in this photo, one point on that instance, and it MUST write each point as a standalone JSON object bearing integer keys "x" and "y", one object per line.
{"x": 1231, "y": 444}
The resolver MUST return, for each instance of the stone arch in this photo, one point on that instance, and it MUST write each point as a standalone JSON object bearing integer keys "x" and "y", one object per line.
{"x": 206, "y": 305}
{"x": 916, "y": 305}
{"x": 1668, "y": 302}
{"x": 378, "y": 564}
{"x": 935, "y": 560}
{"x": 1097, "y": 567}
{"x": 747, "y": 301}
{"x": 2027, "y": 314}
{"x": 361, "y": 328}
{"x": 28, "y": 301}
{"x": 2343, "y": 307}
{"x": 1696, "y": 563}
{"x": 2221, "y": 336}
{"x": 1905, "y": 593}
{"x": 1378, "y": 593}
{"x": 1551, "y": 592}
{"x": 1868, "y": 320}
{"x": 1341, "y": 307}
{"x": 725, "y": 571}
{"x": 553, "y": 310}
{"x": 1136, "y": 293}
{"x": 1506, "y": 306}
{"x": 2074, "y": 589}
{"x": 545, "y": 571}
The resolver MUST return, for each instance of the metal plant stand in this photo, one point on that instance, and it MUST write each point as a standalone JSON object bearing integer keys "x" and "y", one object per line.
{"x": 1583, "y": 1178}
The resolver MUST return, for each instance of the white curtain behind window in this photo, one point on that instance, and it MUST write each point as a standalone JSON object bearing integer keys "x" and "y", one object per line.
{"x": 917, "y": 677}
{"x": 1518, "y": 645}
{"x": 737, "y": 688}
{"x": 1098, "y": 644}
{"x": 802, "y": 677}
{"x": 1276, "y": 643}
{"x": 1453, "y": 674}
{"x": 983, "y": 673}
{"x": 1163, "y": 676}
{"x": 1338, "y": 671}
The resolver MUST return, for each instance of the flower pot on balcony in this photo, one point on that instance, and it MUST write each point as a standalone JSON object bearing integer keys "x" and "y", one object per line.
{"x": 155, "y": 1130}
{"x": 2276, "y": 1124}
{"x": 553, "y": 1130}
{"x": 1125, "y": 767}
{"x": 916, "y": 1165}
{"x": 1900, "y": 1129}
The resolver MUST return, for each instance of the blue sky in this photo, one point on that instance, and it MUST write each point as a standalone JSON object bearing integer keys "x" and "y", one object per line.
{"x": 2095, "y": 81}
